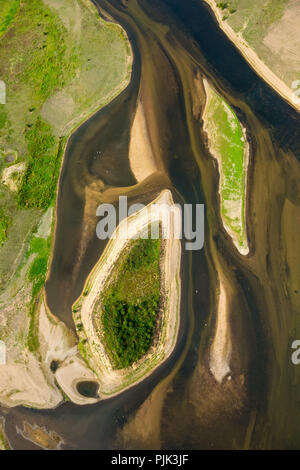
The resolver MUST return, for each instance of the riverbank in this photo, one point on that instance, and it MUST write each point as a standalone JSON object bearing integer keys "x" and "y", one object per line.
{"x": 254, "y": 61}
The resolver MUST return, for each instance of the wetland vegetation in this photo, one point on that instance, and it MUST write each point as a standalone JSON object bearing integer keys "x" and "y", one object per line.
{"x": 228, "y": 144}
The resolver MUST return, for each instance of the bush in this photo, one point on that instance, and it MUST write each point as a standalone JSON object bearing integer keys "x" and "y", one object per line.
{"x": 129, "y": 329}
{"x": 38, "y": 186}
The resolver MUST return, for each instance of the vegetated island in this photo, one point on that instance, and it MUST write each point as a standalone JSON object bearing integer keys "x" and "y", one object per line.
{"x": 127, "y": 317}
{"x": 228, "y": 144}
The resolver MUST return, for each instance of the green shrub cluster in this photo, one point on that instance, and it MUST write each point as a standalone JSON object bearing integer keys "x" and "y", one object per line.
{"x": 129, "y": 320}
{"x": 129, "y": 329}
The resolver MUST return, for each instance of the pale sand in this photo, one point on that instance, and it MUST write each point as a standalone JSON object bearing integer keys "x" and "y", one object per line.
{"x": 57, "y": 343}
{"x": 220, "y": 352}
{"x": 256, "y": 63}
{"x": 141, "y": 158}
{"x": 113, "y": 381}
{"x": 73, "y": 371}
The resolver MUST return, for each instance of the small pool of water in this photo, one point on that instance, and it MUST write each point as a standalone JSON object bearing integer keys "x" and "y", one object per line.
{"x": 88, "y": 389}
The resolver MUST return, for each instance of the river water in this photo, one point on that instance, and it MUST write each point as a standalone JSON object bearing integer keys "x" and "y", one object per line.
{"x": 176, "y": 43}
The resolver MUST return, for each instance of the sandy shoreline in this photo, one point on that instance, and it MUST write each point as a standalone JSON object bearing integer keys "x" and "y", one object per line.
{"x": 254, "y": 61}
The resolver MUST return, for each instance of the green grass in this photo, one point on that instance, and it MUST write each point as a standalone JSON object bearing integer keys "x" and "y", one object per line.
{"x": 4, "y": 224}
{"x": 8, "y": 10}
{"x": 227, "y": 143}
{"x": 261, "y": 18}
{"x": 131, "y": 304}
{"x": 40, "y": 247}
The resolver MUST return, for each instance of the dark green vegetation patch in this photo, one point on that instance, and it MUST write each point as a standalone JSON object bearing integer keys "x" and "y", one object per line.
{"x": 131, "y": 305}
{"x": 39, "y": 181}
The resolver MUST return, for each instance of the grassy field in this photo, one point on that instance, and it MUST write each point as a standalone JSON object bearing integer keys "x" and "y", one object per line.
{"x": 253, "y": 18}
{"x": 227, "y": 143}
{"x": 130, "y": 305}
{"x": 60, "y": 63}
{"x": 271, "y": 28}
{"x": 53, "y": 73}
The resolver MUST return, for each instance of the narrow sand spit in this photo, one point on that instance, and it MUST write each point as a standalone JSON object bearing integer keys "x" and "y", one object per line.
{"x": 111, "y": 381}
{"x": 252, "y": 58}
{"x": 141, "y": 158}
{"x": 220, "y": 352}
